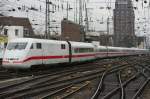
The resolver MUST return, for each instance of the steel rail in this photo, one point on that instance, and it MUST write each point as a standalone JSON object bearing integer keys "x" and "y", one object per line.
{"x": 67, "y": 95}
{"x": 124, "y": 84}
{"x": 95, "y": 74}
{"x": 122, "y": 88}
{"x": 143, "y": 85}
{"x": 141, "y": 88}
{"x": 5, "y": 88}
{"x": 38, "y": 77}
{"x": 98, "y": 90}
{"x": 55, "y": 92}
{"x": 32, "y": 91}
{"x": 49, "y": 84}
{"x": 68, "y": 84}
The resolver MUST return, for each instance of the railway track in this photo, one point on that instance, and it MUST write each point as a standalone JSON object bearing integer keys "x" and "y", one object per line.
{"x": 131, "y": 88}
{"x": 44, "y": 86}
{"x": 4, "y": 74}
{"x": 122, "y": 78}
{"x": 120, "y": 89}
{"x": 55, "y": 83}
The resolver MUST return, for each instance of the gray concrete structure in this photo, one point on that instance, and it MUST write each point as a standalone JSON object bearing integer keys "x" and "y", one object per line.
{"x": 124, "y": 23}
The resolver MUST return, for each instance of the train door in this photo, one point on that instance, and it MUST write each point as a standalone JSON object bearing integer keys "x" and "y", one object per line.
{"x": 47, "y": 52}
{"x": 50, "y": 52}
{"x": 39, "y": 53}
{"x": 36, "y": 53}
{"x": 69, "y": 52}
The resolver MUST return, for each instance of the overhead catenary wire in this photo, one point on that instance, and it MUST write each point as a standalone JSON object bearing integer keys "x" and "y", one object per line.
{"x": 60, "y": 6}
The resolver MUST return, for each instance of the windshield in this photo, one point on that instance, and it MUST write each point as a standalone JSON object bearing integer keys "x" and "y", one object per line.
{"x": 18, "y": 46}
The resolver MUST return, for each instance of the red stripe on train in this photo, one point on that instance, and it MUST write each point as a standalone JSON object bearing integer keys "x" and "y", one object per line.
{"x": 50, "y": 57}
{"x": 56, "y": 57}
{"x": 59, "y": 57}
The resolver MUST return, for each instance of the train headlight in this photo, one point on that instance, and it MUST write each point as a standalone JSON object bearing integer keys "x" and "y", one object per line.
{"x": 12, "y": 58}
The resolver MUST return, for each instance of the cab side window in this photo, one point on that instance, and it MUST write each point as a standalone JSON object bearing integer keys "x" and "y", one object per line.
{"x": 5, "y": 44}
{"x": 38, "y": 45}
{"x": 63, "y": 46}
{"x": 32, "y": 47}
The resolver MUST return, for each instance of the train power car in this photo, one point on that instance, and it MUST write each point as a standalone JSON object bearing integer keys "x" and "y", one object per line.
{"x": 22, "y": 53}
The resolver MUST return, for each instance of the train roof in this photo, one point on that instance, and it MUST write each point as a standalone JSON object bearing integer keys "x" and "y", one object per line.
{"x": 74, "y": 44}
{"x": 82, "y": 44}
{"x": 119, "y": 48}
{"x": 35, "y": 40}
{"x": 20, "y": 40}
{"x": 102, "y": 47}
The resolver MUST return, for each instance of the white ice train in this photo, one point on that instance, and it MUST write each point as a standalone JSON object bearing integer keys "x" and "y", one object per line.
{"x": 22, "y": 53}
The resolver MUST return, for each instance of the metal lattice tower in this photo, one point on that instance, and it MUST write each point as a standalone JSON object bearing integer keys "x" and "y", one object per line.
{"x": 87, "y": 20}
{"x": 47, "y": 19}
{"x": 81, "y": 21}
{"x": 80, "y": 13}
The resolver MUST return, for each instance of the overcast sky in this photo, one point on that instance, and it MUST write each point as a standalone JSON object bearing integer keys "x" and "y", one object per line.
{"x": 98, "y": 13}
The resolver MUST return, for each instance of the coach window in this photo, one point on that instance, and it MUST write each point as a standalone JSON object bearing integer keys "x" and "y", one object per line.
{"x": 63, "y": 46}
{"x": 91, "y": 49}
{"x": 6, "y": 32}
{"x": 38, "y": 46}
{"x": 76, "y": 50}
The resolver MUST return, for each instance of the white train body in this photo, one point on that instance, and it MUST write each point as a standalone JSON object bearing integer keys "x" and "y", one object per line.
{"x": 22, "y": 53}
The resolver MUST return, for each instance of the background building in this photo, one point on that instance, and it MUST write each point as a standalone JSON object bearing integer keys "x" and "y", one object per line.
{"x": 71, "y": 31}
{"x": 12, "y": 32}
{"x": 124, "y": 24}
{"x": 21, "y": 27}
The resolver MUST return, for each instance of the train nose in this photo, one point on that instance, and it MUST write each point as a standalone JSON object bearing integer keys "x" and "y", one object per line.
{"x": 6, "y": 62}
{"x": 10, "y": 60}
{"x": 13, "y": 64}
